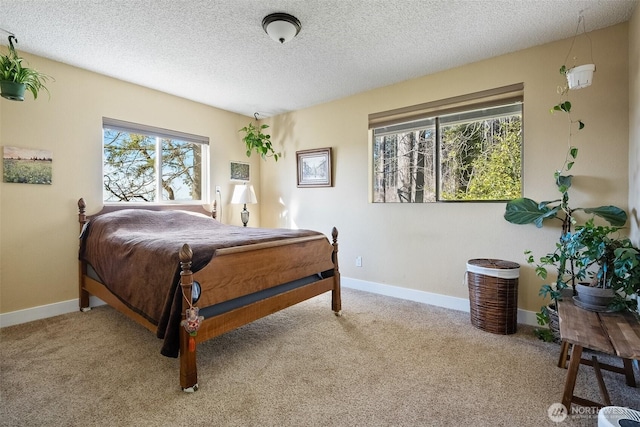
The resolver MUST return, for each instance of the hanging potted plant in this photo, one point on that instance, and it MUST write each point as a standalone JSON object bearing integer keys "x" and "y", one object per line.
{"x": 15, "y": 78}
{"x": 256, "y": 140}
{"x": 581, "y": 76}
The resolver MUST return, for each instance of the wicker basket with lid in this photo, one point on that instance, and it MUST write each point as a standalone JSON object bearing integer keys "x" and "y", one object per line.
{"x": 493, "y": 294}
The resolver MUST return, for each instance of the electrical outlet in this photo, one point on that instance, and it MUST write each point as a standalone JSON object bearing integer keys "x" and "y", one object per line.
{"x": 358, "y": 261}
{"x": 217, "y": 189}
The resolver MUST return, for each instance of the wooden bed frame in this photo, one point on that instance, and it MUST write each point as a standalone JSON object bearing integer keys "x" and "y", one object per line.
{"x": 227, "y": 277}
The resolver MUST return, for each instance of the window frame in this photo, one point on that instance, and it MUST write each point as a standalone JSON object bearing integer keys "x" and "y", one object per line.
{"x": 158, "y": 134}
{"x": 433, "y": 110}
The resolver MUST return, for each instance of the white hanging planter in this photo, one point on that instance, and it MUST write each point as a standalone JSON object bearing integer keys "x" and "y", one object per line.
{"x": 582, "y": 76}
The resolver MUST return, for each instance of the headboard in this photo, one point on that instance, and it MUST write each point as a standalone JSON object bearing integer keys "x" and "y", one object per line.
{"x": 209, "y": 210}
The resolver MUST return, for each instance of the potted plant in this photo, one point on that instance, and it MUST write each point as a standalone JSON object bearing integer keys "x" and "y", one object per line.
{"x": 527, "y": 211}
{"x": 579, "y": 76}
{"x": 15, "y": 78}
{"x": 608, "y": 268}
{"x": 570, "y": 256}
{"x": 257, "y": 141}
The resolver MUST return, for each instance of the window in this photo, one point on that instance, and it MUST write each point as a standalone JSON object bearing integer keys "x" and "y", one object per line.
{"x": 462, "y": 149}
{"x": 146, "y": 164}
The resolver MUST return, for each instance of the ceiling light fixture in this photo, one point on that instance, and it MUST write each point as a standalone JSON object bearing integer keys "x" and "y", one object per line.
{"x": 281, "y": 27}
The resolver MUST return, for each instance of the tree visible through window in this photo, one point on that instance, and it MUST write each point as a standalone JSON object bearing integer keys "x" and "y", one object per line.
{"x": 466, "y": 156}
{"x": 141, "y": 165}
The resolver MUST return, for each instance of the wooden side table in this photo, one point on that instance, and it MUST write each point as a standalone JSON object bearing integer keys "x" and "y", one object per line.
{"x": 611, "y": 333}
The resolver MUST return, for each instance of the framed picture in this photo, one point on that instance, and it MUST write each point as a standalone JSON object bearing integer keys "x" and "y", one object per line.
{"x": 240, "y": 171}
{"x": 27, "y": 165}
{"x": 314, "y": 167}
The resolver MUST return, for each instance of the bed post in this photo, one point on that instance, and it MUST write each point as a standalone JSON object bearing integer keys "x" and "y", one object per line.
{"x": 188, "y": 367}
{"x": 336, "y": 301}
{"x": 83, "y": 295}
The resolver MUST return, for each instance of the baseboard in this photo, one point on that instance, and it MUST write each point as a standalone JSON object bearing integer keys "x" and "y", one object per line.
{"x": 44, "y": 311}
{"x": 455, "y": 303}
{"x": 461, "y": 304}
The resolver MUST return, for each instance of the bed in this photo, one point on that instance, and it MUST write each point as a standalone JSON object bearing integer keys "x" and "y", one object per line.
{"x": 158, "y": 264}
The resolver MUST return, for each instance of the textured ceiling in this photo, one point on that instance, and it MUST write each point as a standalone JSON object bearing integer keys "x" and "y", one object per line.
{"x": 216, "y": 52}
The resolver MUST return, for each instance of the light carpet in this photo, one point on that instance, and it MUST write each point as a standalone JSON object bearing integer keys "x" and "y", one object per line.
{"x": 385, "y": 362}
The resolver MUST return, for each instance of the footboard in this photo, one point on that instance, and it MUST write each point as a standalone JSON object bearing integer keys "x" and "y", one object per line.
{"x": 239, "y": 271}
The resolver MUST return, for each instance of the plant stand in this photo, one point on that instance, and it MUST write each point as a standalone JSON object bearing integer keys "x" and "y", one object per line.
{"x": 611, "y": 333}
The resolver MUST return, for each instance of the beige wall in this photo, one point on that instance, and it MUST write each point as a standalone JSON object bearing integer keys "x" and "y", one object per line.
{"x": 38, "y": 224}
{"x": 426, "y": 247}
{"x": 634, "y": 124}
{"x": 423, "y": 247}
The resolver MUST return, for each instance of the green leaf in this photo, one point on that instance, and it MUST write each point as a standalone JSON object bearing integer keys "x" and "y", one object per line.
{"x": 541, "y": 272}
{"x": 566, "y": 106}
{"x": 545, "y": 290}
{"x": 569, "y": 165}
{"x": 527, "y": 211}
{"x": 612, "y": 214}
{"x": 580, "y": 125}
{"x": 573, "y": 152}
{"x": 544, "y": 334}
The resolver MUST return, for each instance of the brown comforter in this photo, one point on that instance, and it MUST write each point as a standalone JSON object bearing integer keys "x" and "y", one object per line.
{"x": 135, "y": 254}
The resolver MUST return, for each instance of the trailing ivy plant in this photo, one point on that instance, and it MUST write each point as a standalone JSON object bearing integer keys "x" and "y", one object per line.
{"x": 527, "y": 211}
{"x": 257, "y": 141}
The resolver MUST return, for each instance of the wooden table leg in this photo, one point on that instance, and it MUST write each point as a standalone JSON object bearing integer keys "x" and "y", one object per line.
{"x": 572, "y": 375}
{"x": 628, "y": 372}
{"x": 564, "y": 352}
{"x": 603, "y": 388}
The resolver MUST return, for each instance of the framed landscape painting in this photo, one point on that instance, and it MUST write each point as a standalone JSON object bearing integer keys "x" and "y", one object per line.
{"x": 314, "y": 167}
{"x": 27, "y": 165}
{"x": 240, "y": 171}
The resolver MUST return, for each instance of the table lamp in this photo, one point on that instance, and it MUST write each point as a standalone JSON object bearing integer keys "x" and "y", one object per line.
{"x": 243, "y": 194}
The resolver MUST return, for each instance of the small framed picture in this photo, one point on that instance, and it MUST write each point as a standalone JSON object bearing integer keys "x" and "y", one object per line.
{"x": 240, "y": 171}
{"x": 314, "y": 167}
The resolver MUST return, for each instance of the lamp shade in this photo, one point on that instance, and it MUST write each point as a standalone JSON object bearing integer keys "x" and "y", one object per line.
{"x": 243, "y": 194}
{"x": 281, "y": 27}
